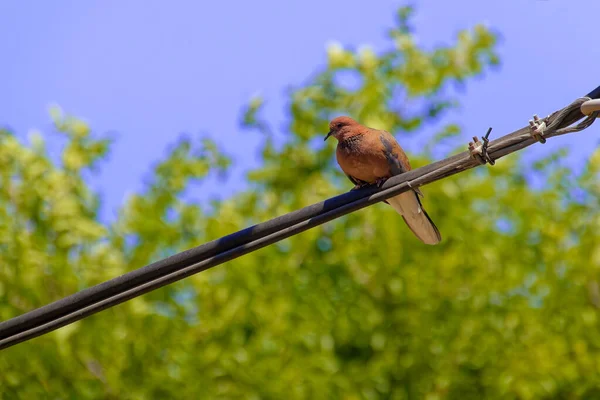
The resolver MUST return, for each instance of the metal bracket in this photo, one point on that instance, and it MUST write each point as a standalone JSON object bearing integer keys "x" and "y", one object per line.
{"x": 590, "y": 107}
{"x": 537, "y": 127}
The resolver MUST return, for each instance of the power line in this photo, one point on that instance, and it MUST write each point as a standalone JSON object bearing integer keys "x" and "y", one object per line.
{"x": 135, "y": 283}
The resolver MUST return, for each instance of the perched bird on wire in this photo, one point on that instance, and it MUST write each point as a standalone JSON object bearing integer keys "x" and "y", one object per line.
{"x": 371, "y": 156}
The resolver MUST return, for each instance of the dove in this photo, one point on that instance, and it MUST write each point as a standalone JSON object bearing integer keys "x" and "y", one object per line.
{"x": 371, "y": 156}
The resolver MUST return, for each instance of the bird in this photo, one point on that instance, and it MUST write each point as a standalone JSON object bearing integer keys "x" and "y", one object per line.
{"x": 370, "y": 156}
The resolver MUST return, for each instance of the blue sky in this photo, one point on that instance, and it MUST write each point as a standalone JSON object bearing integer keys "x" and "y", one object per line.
{"x": 151, "y": 70}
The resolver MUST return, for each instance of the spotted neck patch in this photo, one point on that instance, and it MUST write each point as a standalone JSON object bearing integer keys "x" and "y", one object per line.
{"x": 351, "y": 143}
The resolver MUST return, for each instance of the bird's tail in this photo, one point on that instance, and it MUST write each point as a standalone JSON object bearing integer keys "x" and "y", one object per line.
{"x": 409, "y": 206}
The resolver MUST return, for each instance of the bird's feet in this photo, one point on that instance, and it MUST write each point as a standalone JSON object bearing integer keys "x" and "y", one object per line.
{"x": 359, "y": 186}
{"x": 379, "y": 182}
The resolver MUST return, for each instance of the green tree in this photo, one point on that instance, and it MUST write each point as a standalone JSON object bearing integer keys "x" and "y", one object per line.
{"x": 505, "y": 308}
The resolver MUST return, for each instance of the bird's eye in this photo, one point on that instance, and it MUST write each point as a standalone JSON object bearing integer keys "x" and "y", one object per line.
{"x": 339, "y": 124}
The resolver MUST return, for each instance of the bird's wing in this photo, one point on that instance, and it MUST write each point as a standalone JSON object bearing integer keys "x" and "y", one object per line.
{"x": 408, "y": 204}
{"x": 394, "y": 154}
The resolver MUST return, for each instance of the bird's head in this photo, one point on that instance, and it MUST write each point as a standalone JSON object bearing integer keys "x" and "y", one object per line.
{"x": 341, "y": 127}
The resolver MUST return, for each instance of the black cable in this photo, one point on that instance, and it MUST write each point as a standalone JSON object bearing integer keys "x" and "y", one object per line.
{"x": 594, "y": 94}
{"x": 184, "y": 264}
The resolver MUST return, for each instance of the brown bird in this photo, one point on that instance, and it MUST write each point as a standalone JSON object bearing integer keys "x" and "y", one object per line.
{"x": 371, "y": 156}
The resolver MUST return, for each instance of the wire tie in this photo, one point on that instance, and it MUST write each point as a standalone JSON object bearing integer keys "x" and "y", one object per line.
{"x": 478, "y": 149}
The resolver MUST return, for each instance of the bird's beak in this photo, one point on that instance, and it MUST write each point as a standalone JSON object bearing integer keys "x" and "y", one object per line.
{"x": 328, "y": 134}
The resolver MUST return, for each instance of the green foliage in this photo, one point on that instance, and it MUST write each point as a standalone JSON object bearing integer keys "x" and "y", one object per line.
{"x": 505, "y": 308}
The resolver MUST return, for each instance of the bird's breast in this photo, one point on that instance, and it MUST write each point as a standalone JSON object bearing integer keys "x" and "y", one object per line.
{"x": 362, "y": 162}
